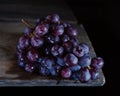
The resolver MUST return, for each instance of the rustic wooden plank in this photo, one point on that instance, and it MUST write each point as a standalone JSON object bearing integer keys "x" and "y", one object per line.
{"x": 13, "y": 10}
{"x": 12, "y": 75}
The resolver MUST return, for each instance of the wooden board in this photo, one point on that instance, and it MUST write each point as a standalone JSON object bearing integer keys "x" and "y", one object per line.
{"x": 15, "y": 10}
{"x": 12, "y": 75}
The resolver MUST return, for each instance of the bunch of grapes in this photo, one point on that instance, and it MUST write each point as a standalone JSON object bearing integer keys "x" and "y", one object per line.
{"x": 51, "y": 48}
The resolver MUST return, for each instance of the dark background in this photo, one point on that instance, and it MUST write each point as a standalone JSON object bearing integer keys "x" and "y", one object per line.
{"x": 101, "y": 20}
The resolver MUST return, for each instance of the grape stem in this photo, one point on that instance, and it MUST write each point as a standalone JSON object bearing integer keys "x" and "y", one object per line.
{"x": 27, "y": 24}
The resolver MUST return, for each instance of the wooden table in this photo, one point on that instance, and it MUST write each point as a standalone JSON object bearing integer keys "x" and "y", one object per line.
{"x": 11, "y": 29}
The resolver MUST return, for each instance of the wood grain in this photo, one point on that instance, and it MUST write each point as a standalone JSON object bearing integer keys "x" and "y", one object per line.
{"x": 12, "y": 75}
{"x": 13, "y": 10}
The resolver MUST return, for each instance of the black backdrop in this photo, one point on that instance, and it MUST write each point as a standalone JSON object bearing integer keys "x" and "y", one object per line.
{"x": 101, "y": 20}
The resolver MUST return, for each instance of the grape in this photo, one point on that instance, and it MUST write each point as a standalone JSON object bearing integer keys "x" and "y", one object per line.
{"x": 28, "y": 31}
{"x": 51, "y": 48}
{"x": 47, "y": 50}
{"x": 75, "y": 76}
{"x": 40, "y": 59}
{"x": 37, "y": 42}
{"x": 54, "y": 71}
{"x": 47, "y": 62}
{"x": 66, "y": 73}
{"x": 54, "y": 18}
{"x": 95, "y": 74}
{"x": 58, "y": 30}
{"x": 41, "y": 29}
{"x": 32, "y": 55}
{"x": 60, "y": 61}
{"x": 84, "y": 75}
{"x": 75, "y": 67}
{"x": 53, "y": 39}
{"x": 72, "y": 32}
{"x": 65, "y": 38}
{"x": 21, "y": 63}
{"x": 74, "y": 42}
{"x": 19, "y": 50}
{"x": 84, "y": 61}
{"x": 57, "y": 50}
{"x": 70, "y": 59}
{"x": 68, "y": 46}
{"x": 81, "y": 50}
{"x": 65, "y": 24}
{"x": 24, "y": 42}
{"x": 97, "y": 62}
{"x": 44, "y": 71}
{"x": 86, "y": 47}
{"x": 29, "y": 67}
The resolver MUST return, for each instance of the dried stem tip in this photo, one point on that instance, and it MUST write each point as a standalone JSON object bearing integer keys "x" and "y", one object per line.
{"x": 27, "y": 24}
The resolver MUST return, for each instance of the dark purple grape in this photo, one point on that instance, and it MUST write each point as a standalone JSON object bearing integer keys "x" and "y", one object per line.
{"x": 41, "y": 29}
{"x": 75, "y": 67}
{"x": 24, "y": 42}
{"x": 32, "y": 55}
{"x": 38, "y": 21}
{"x": 55, "y": 70}
{"x": 53, "y": 39}
{"x": 84, "y": 75}
{"x": 49, "y": 19}
{"x": 21, "y": 56}
{"x": 44, "y": 71}
{"x": 47, "y": 51}
{"x": 60, "y": 61}
{"x": 53, "y": 18}
{"x": 42, "y": 21}
{"x": 65, "y": 38}
{"x": 68, "y": 46}
{"x": 72, "y": 31}
{"x": 57, "y": 50}
{"x": 94, "y": 74}
{"x": 28, "y": 31}
{"x": 84, "y": 61}
{"x": 66, "y": 73}
{"x": 29, "y": 67}
{"x": 58, "y": 68}
{"x": 75, "y": 76}
{"x": 81, "y": 50}
{"x": 86, "y": 47}
{"x": 58, "y": 30}
{"x": 47, "y": 62}
{"x": 40, "y": 59}
{"x": 37, "y": 42}
{"x": 37, "y": 65}
{"x": 21, "y": 63}
{"x": 70, "y": 59}
{"x": 65, "y": 24}
{"x": 97, "y": 62}
{"x": 19, "y": 50}
{"x": 74, "y": 42}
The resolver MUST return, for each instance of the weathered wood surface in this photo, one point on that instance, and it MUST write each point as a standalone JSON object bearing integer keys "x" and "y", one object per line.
{"x": 12, "y": 75}
{"x": 16, "y": 9}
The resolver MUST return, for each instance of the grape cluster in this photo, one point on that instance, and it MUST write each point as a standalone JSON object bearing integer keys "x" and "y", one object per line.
{"x": 51, "y": 48}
